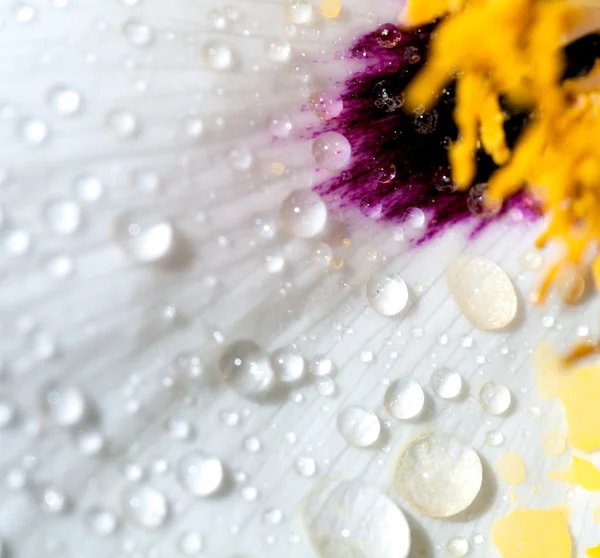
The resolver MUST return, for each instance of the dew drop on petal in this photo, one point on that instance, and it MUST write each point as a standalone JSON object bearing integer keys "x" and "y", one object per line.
{"x": 145, "y": 506}
{"x": 288, "y": 365}
{"x": 64, "y": 405}
{"x": 101, "y": 521}
{"x": 331, "y": 150}
{"x": 358, "y": 426}
{"x": 200, "y": 474}
{"x": 494, "y": 398}
{"x": 387, "y": 293}
{"x": 437, "y": 474}
{"x": 457, "y": 546}
{"x": 446, "y": 383}
{"x": 404, "y": 399}
{"x": 303, "y": 214}
{"x": 145, "y": 239}
{"x": 247, "y": 369}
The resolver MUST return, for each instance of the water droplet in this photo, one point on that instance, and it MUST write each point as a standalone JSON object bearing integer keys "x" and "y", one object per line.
{"x": 89, "y": 188}
{"x": 388, "y": 96}
{"x": 366, "y": 356}
{"x": 138, "y": 33}
{"x": 300, "y": 12}
{"x": 218, "y": 56}
{"x": 325, "y": 386}
{"x": 385, "y": 173}
{"x": 89, "y": 441}
{"x": 200, "y": 474}
{"x": 325, "y": 105}
{"x": 17, "y": 242}
{"x": 217, "y": 20}
{"x": 477, "y": 204}
{"x": 145, "y": 506}
{"x": 280, "y": 126}
{"x": 249, "y": 493}
{"x": 349, "y": 519}
{"x": 60, "y": 266}
{"x": 483, "y": 291}
{"x": 457, "y": 546}
{"x": 570, "y": 283}
{"x": 229, "y": 418}
{"x": 63, "y": 216}
{"x": 305, "y": 466}
{"x": 179, "y": 429}
{"x": 190, "y": 544}
{"x": 101, "y": 521}
{"x": 65, "y": 405}
{"x": 123, "y": 124}
{"x": 437, "y": 474}
{"x": 53, "y": 500}
{"x": 494, "y": 398}
{"x": 273, "y": 516}
{"x": 278, "y": 51}
{"x": 303, "y": 214}
{"x": 358, "y": 426}
{"x": 387, "y": 293}
{"x": 446, "y": 383}
{"x": 389, "y": 36}
{"x": 34, "y": 132}
{"x": 404, "y": 399}
{"x": 288, "y": 365}
{"x": 22, "y": 12}
{"x": 247, "y": 369}
{"x": 146, "y": 181}
{"x": 194, "y": 127}
{"x": 531, "y": 261}
{"x": 331, "y": 150}
{"x": 64, "y": 100}
{"x": 252, "y": 444}
{"x": 274, "y": 264}
{"x": 144, "y": 238}
{"x": 494, "y": 438}
{"x": 320, "y": 366}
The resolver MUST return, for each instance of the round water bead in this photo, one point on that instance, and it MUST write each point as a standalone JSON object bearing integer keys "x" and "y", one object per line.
{"x": 404, "y": 399}
{"x": 145, "y": 506}
{"x": 101, "y": 521}
{"x": 320, "y": 366}
{"x": 478, "y": 205}
{"x": 437, "y": 474}
{"x": 63, "y": 216}
{"x": 305, "y": 466}
{"x": 303, "y": 214}
{"x": 482, "y": 290}
{"x": 446, "y": 383}
{"x": 217, "y": 56}
{"x": 326, "y": 105}
{"x": 145, "y": 239}
{"x": 494, "y": 398}
{"x": 139, "y": 33}
{"x": 65, "y": 405}
{"x": 331, "y": 150}
{"x": 457, "y": 546}
{"x": 200, "y": 474}
{"x": 349, "y": 519}
{"x": 247, "y": 369}
{"x": 570, "y": 283}
{"x": 190, "y": 543}
{"x": 64, "y": 100}
{"x": 358, "y": 426}
{"x": 387, "y": 293}
{"x": 288, "y": 365}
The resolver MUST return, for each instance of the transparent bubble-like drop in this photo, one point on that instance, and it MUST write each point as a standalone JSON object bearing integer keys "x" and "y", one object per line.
{"x": 218, "y": 56}
{"x": 387, "y": 293}
{"x": 278, "y": 51}
{"x": 404, "y": 399}
{"x": 89, "y": 441}
{"x": 425, "y": 122}
{"x": 321, "y": 366}
{"x": 280, "y": 126}
{"x": 144, "y": 238}
{"x": 138, "y": 33}
{"x": 388, "y": 96}
{"x": 8, "y": 414}
{"x": 179, "y": 429}
{"x": 146, "y": 181}
{"x": 272, "y": 516}
{"x": 65, "y": 405}
{"x": 53, "y": 500}
{"x": 17, "y": 243}
{"x": 331, "y": 150}
{"x": 247, "y": 369}
{"x": 437, "y": 474}
{"x": 65, "y": 100}
{"x": 60, "y": 266}
{"x": 457, "y": 546}
{"x": 483, "y": 291}
{"x": 288, "y": 365}
{"x": 123, "y": 124}
{"x": 494, "y": 438}
{"x": 305, "y": 466}
{"x": 478, "y": 205}
{"x": 200, "y": 474}
{"x": 252, "y": 444}
{"x": 368, "y": 523}
{"x": 101, "y": 521}
{"x": 241, "y": 158}
{"x": 446, "y": 383}
{"x": 325, "y": 105}
{"x": 494, "y": 398}
{"x": 145, "y": 506}
{"x": 389, "y": 36}
{"x": 190, "y": 544}
{"x": 63, "y": 216}
{"x": 23, "y": 12}
{"x": 300, "y": 12}
{"x": 88, "y": 188}
{"x": 303, "y": 214}
{"x": 325, "y": 386}
{"x": 194, "y": 127}
{"x": 530, "y": 260}
{"x": 570, "y": 283}
{"x": 34, "y": 132}
{"x": 358, "y": 426}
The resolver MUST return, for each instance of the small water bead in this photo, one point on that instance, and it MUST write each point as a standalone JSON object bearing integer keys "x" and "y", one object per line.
{"x": 88, "y": 188}
{"x": 217, "y": 20}
{"x": 494, "y": 398}
{"x": 89, "y": 441}
{"x": 404, "y": 399}
{"x": 389, "y": 36}
{"x": 366, "y": 356}
{"x": 145, "y": 506}
{"x": 249, "y": 493}
{"x": 349, "y": 519}
{"x": 457, "y": 546}
{"x": 60, "y": 266}
{"x": 124, "y": 125}
{"x": 280, "y": 126}
{"x": 65, "y": 405}
{"x": 305, "y": 466}
{"x": 325, "y": 105}
{"x": 478, "y": 205}
{"x": 331, "y": 150}
{"x": 194, "y": 127}
{"x": 53, "y": 500}
{"x": 247, "y": 369}
{"x": 385, "y": 173}
{"x": 388, "y": 96}
{"x": 200, "y": 474}
{"x": 320, "y": 366}
{"x": 274, "y": 264}
{"x": 494, "y": 438}
{"x": 303, "y": 214}
{"x": 570, "y": 283}
{"x": 548, "y": 321}
{"x": 483, "y": 291}
{"x": 387, "y": 293}
{"x": 23, "y": 12}
{"x": 229, "y": 418}
{"x": 241, "y": 158}
{"x": 288, "y": 365}
{"x": 34, "y": 132}
{"x": 446, "y": 383}
{"x": 65, "y": 100}
{"x": 146, "y": 181}
{"x": 437, "y": 474}
{"x": 325, "y": 386}
{"x": 63, "y": 216}
{"x": 8, "y": 412}
{"x": 554, "y": 443}
{"x": 278, "y": 51}
{"x": 426, "y": 122}
{"x": 272, "y": 516}
{"x": 252, "y": 444}
{"x": 531, "y": 261}
{"x": 358, "y": 426}
{"x": 300, "y": 12}
{"x": 179, "y": 429}
{"x": 190, "y": 544}
{"x": 101, "y": 521}
{"x": 144, "y": 238}
{"x": 138, "y": 33}
{"x": 16, "y": 243}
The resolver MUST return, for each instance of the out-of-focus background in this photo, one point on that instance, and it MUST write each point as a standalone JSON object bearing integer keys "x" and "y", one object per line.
{"x": 146, "y": 148}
